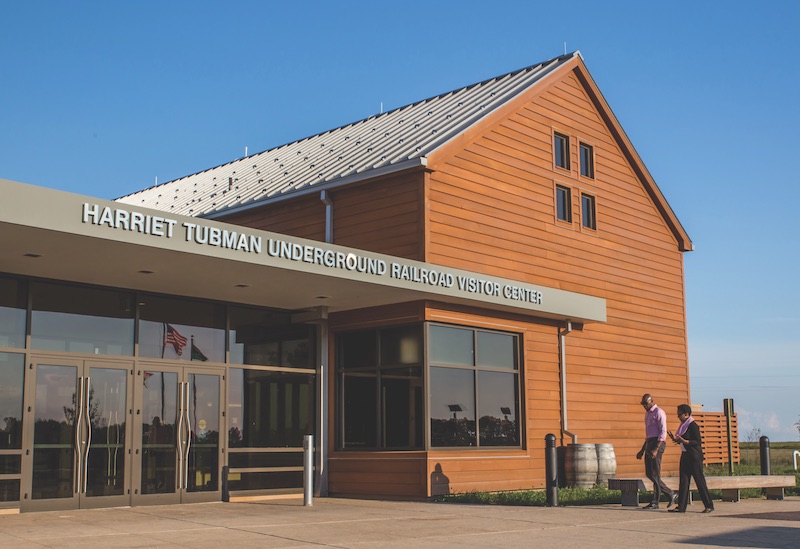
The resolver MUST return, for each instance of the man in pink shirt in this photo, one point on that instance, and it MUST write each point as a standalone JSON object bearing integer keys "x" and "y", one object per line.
{"x": 655, "y": 429}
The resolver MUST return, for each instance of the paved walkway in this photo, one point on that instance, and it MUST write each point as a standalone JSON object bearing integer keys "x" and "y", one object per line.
{"x": 333, "y": 522}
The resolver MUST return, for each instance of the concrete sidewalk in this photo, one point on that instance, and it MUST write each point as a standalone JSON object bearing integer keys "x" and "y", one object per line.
{"x": 333, "y": 522}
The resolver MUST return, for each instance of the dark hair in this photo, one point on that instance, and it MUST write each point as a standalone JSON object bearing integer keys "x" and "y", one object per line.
{"x": 685, "y": 409}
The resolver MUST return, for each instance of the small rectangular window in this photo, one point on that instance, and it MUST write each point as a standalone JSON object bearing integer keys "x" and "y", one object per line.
{"x": 587, "y": 160}
{"x": 561, "y": 150}
{"x": 563, "y": 204}
{"x": 588, "y": 213}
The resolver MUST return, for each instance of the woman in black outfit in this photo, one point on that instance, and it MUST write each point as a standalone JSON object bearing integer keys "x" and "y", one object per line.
{"x": 688, "y": 436}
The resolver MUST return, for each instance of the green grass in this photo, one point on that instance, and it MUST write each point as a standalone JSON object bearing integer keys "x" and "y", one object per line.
{"x": 600, "y": 494}
{"x": 537, "y": 498}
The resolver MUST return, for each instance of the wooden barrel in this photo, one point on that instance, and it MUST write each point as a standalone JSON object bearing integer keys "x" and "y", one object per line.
{"x": 606, "y": 463}
{"x": 580, "y": 464}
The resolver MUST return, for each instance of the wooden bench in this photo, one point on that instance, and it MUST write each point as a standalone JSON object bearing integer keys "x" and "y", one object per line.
{"x": 730, "y": 486}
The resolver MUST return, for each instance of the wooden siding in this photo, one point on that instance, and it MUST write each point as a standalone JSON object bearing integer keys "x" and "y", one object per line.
{"x": 714, "y": 431}
{"x": 455, "y": 470}
{"x": 302, "y": 217}
{"x": 464, "y": 470}
{"x": 377, "y": 474}
{"x": 492, "y": 210}
{"x": 383, "y": 216}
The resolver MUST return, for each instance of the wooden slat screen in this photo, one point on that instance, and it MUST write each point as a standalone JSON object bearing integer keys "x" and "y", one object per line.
{"x": 714, "y": 431}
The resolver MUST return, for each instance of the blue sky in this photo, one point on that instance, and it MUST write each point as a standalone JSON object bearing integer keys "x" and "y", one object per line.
{"x": 102, "y": 98}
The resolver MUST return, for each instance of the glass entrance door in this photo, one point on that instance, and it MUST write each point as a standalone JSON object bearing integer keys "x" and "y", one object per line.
{"x": 178, "y": 453}
{"x": 77, "y": 452}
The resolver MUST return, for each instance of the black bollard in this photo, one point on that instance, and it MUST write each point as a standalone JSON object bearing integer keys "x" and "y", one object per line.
{"x": 551, "y": 470}
{"x": 763, "y": 454}
{"x": 226, "y": 495}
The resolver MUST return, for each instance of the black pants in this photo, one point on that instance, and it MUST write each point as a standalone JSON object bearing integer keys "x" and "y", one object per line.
{"x": 691, "y": 467}
{"x": 652, "y": 468}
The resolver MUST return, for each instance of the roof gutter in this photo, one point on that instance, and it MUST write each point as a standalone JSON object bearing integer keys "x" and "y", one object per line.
{"x": 416, "y": 162}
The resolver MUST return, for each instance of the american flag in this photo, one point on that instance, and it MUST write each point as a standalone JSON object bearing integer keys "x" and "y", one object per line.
{"x": 174, "y": 338}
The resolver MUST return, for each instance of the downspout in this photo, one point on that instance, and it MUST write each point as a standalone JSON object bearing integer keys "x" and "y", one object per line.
{"x": 562, "y": 348}
{"x": 327, "y": 199}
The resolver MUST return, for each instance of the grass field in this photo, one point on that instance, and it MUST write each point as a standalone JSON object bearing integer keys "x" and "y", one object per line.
{"x": 780, "y": 454}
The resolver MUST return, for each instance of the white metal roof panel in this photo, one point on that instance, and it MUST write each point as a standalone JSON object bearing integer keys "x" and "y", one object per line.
{"x": 382, "y": 142}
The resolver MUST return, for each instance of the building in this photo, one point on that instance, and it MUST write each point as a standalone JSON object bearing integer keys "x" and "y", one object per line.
{"x": 429, "y": 292}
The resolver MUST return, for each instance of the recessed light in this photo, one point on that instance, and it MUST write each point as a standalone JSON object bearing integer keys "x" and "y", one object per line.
{"x": 32, "y": 255}
{"x": 322, "y": 297}
{"x": 146, "y": 272}
{"x": 242, "y": 285}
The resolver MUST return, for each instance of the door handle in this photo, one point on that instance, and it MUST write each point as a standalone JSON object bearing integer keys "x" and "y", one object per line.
{"x": 87, "y": 395}
{"x": 78, "y": 439}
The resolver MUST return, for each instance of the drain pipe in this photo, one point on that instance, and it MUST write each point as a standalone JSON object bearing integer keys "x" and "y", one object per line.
{"x": 562, "y": 347}
{"x": 327, "y": 199}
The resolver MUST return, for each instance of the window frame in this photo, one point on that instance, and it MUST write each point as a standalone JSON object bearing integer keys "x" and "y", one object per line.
{"x": 378, "y": 370}
{"x": 568, "y": 189}
{"x": 476, "y": 370}
{"x": 590, "y": 175}
{"x": 592, "y": 221}
{"x": 565, "y": 149}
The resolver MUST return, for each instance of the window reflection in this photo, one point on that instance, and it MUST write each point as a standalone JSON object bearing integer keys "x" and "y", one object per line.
{"x": 81, "y": 320}
{"x": 13, "y": 307}
{"x": 12, "y": 373}
{"x": 380, "y": 388}
{"x": 451, "y": 346}
{"x": 460, "y": 394}
{"x": 267, "y": 338}
{"x": 269, "y": 409}
{"x": 452, "y": 407}
{"x": 179, "y": 329}
{"x": 497, "y": 406}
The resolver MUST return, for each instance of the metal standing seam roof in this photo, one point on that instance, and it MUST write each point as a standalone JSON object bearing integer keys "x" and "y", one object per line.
{"x": 381, "y": 142}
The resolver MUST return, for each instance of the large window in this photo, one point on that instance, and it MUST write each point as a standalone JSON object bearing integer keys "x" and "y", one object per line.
{"x": 12, "y": 374}
{"x": 380, "y": 388}
{"x": 180, "y": 329}
{"x": 13, "y": 306}
{"x": 474, "y": 387}
{"x": 269, "y": 412}
{"x": 267, "y": 338}
{"x": 79, "y": 319}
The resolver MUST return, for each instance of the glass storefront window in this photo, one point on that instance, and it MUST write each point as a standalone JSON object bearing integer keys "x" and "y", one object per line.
{"x": 498, "y": 404}
{"x": 267, "y": 338}
{"x": 12, "y": 374}
{"x": 380, "y": 388}
{"x": 269, "y": 409}
{"x": 452, "y": 407}
{"x": 451, "y": 346}
{"x": 180, "y": 329}
{"x": 359, "y": 396}
{"x": 13, "y": 307}
{"x": 81, "y": 320}
{"x": 462, "y": 395}
{"x": 496, "y": 350}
